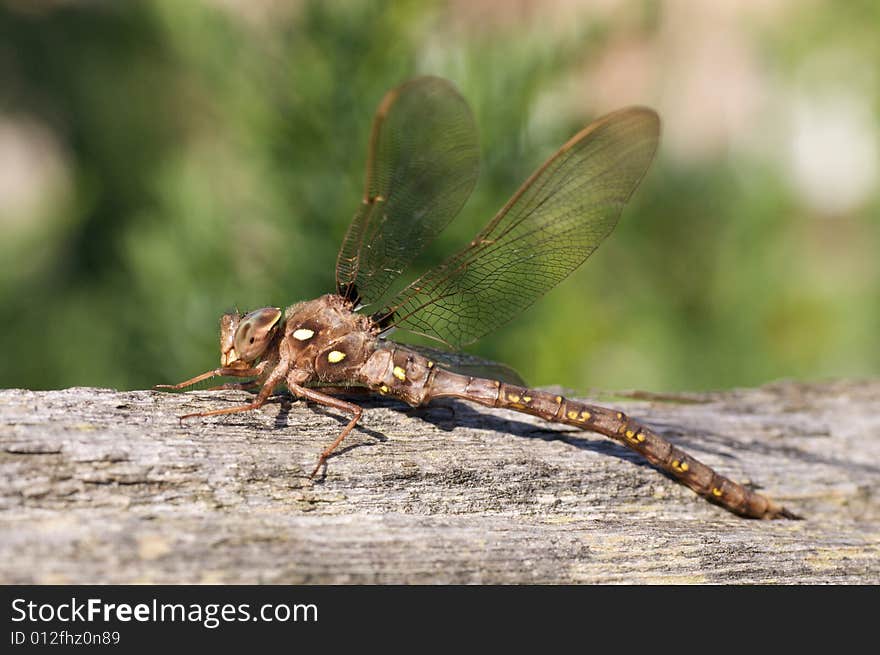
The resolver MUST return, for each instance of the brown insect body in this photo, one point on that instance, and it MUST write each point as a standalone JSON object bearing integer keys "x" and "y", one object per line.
{"x": 421, "y": 167}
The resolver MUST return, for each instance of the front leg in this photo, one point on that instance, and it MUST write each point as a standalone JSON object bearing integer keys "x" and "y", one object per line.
{"x": 327, "y": 401}
{"x": 275, "y": 378}
{"x": 230, "y": 372}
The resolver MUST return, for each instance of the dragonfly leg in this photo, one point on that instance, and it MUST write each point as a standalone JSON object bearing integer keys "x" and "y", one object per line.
{"x": 328, "y": 401}
{"x": 269, "y": 385}
{"x": 232, "y": 372}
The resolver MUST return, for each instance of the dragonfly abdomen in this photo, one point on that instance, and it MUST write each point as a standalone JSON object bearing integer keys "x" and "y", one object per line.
{"x": 416, "y": 380}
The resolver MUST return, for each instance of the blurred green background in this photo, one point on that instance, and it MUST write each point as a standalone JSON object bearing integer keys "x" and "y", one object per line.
{"x": 162, "y": 162}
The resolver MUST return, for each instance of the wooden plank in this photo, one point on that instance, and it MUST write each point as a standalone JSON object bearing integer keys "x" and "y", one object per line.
{"x": 100, "y": 486}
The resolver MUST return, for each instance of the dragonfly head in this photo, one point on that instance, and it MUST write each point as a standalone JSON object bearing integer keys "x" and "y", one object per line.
{"x": 244, "y": 338}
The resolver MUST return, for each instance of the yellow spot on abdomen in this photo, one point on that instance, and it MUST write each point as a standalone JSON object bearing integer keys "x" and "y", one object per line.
{"x": 430, "y": 364}
{"x": 716, "y": 492}
{"x": 383, "y": 389}
{"x": 335, "y": 356}
{"x": 303, "y": 334}
{"x": 585, "y": 416}
{"x": 527, "y": 399}
{"x": 558, "y": 400}
{"x": 572, "y": 415}
{"x": 399, "y": 373}
{"x": 640, "y": 437}
{"x": 630, "y": 434}
{"x": 684, "y": 466}
{"x": 513, "y": 397}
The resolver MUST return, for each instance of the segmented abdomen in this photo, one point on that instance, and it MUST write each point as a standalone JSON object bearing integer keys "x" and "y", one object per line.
{"x": 415, "y": 379}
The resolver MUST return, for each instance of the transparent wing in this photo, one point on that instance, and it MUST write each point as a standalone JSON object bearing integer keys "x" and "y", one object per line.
{"x": 422, "y": 165}
{"x": 466, "y": 364}
{"x": 547, "y": 229}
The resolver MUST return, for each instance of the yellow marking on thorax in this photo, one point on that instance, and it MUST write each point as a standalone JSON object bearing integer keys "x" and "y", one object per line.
{"x": 399, "y": 373}
{"x": 619, "y": 415}
{"x": 335, "y": 356}
{"x": 558, "y": 400}
{"x": 303, "y": 334}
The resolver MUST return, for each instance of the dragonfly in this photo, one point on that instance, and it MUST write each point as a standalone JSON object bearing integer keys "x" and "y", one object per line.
{"x": 422, "y": 163}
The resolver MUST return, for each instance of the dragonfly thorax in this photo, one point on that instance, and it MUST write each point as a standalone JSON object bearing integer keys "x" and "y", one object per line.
{"x": 327, "y": 338}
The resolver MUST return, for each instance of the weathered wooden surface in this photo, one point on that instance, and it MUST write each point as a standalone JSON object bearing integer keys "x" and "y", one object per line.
{"x": 99, "y": 486}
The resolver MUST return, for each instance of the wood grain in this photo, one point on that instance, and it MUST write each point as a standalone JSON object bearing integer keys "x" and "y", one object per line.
{"x": 100, "y": 486}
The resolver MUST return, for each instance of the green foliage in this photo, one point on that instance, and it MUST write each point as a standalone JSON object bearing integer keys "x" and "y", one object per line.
{"x": 215, "y": 161}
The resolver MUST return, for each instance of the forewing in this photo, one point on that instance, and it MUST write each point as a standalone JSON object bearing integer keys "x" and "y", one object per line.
{"x": 422, "y": 164}
{"x": 547, "y": 229}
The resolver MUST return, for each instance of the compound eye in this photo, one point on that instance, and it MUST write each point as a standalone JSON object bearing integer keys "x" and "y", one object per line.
{"x": 255, "y": 332}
